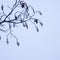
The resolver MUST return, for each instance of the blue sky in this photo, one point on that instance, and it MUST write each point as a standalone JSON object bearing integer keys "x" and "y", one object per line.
{"x": 42, "y": 45}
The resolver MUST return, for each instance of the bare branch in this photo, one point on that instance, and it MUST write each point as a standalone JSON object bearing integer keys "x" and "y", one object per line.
{"x": 19, "y": 17}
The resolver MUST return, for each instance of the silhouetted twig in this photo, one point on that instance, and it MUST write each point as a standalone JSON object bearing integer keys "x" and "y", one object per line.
{"x": 18, "y": 18}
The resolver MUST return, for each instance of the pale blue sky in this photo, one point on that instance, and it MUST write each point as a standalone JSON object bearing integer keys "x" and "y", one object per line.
{"x": 43, "y": 45}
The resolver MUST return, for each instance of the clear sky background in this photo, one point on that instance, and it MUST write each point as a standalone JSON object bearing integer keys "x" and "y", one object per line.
{"x": 42, "y": 45}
